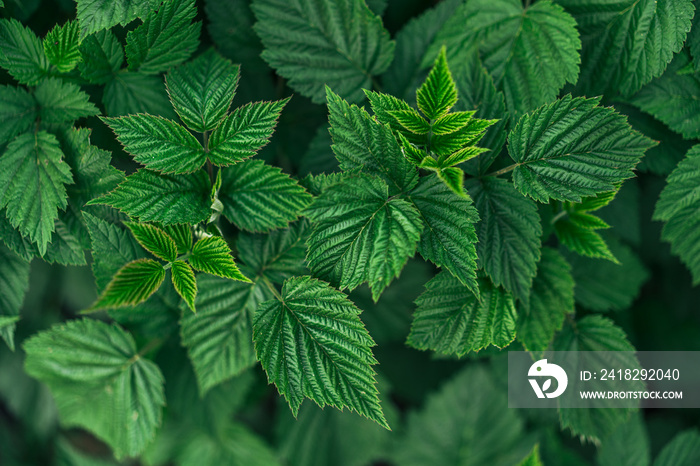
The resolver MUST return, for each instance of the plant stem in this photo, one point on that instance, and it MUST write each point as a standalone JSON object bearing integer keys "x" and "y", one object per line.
{"x": 272, "y": 288}
{"x": 503, "y": 171}
{"x": 558, "y": 216}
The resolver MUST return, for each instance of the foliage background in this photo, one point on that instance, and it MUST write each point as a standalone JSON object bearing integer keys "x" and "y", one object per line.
{"x": 416, "y": 387}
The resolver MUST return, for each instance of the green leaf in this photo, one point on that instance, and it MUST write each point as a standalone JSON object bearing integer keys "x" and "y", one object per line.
{"x": 278, "y": 255}
{"x": 99, "y": 381}
{"x": 531, "y": 52}
{"x": 451, "y": 320}
{"x": 384, "y": 106}
{"x": 61, "y": 46}
{"x": 166, "y": 38}
{"x": 102, "y": 56}
{"x": 595, "y": 333}
{"x": 154, "y": 240}
{"x": 218, "y": 337}
{"x": 360, "y": 143}
{"x": 244, "y": 132}
{"x": 65, "y": 248}
{"x": 158, "y": 143}
{"x": 411, "y": 121}
{"x": 62, "y": 102}
{"x": 628, "y": 445}
{"x": 259, "y": 197}
{"x": 340, "y": 43}
{"x": 112, "y": 248}
{"x": 202, "y": 90}
{"x": 477, "y": 92}
{"x": 683, "y": 450}
{"x": 14, "y": 281}
{"x": 693, "y": 40}
{"x": 21, "y": 52}
{"x": 232, "y": 444}
{"x": 573, "y": 148}
{"x": 312, "y": 344}
{"x": 453, "y": 178}
{"x": 360, "y": 235}
{"x": 509, "y": 235}
{"x": 17, "y": 112}
{"x": 466, "y": 422}
{"x": 412, "y": 42}
{"x": 627, "y": 43}
{"x": 182, "y": 235}
{"x": 32, "y": 179}
{"x": 167, "y": 199}
{"x": 551, "y": 299}
{"x": 678, "y": 208}
{"x": 95, "y": 15}
{"x": 582, "y": 239}
{"x": 213, "y": 256}
{"x": 672, "y": 98}
{"x": 133, "y": 284}
{"x": 449, "y": 237}
{"x": 129, "y": 93}
{"x": 184, "y": 282}
{"x": 451, "y": 122}
{"x": 438, "y": 94}
{"x": 606, "y": 286}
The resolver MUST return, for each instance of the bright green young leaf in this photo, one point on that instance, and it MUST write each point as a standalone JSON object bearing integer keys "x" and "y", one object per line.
{"x": 259, "y": 197}
{"x": 467, "y": 422}
{"x": 438, "y": 94}
{"x": 453, "y": 178}
{"x": 213, "y": 256}
{"x": 233, "y": 444}
{"x": 460, "y": 156}
{"x": 100, "y": 382}
{"x": 166, "y": 38}
{"x": 477, "y": 91}
{"x": 531, "y": 52}
{"x": 683, "y": 450}
{"x": 579, "y": 235}
{"x": 182, "y": 235}
{"x": 313, "y": 344}
{"x": 678, "y": 208}
{"x": 627, "y": 43}
{"x": 17, "y": 112}
{"x": 61, "y": 46}
{"x": 605, "y": 286}
{"x": 101, "y": 57}
{"x": 112, "y": 248}
{"x": 672, "y": 98}
{"x": 128, "y": 93}
{"x": 62, "y": 102}
{"x": 314, "y": 43}
{"x": 244, "y": 132}
{"x": 596, "y": 333}
{"x": 628, "y": 445}
{"x": 184, "y": 282}
{"x": 412, "y": 42}
{"x": 384, "y": 106}
{"x": 360, "y": 235}
{"x": 14, "y": 281}
{"x": 154, "y": 240}
{"x": 550, "y": 300}
{"x": 412, "y": 121}
{"x": 449, "y": 319}
{"x": 95, "y": 15}
{"x": 21, "y": 52}
{"x": 573, "y": 148}
{"x": 360, "y": 143}
{"x": 167, "y": 199}
{"x": 451, "y": 122}
{"x": 278, "y": 255}
{"x": 158, "y": 143}
{"x": 202, "y": 90}
{"x": 509, "y": 235}
{"x": 449, "y": 237}
{"x": 32, "y": 185}
{"x": 533, "y": 458}
{"x": 133, "y": 284}
{"x": 218, "y": 337}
